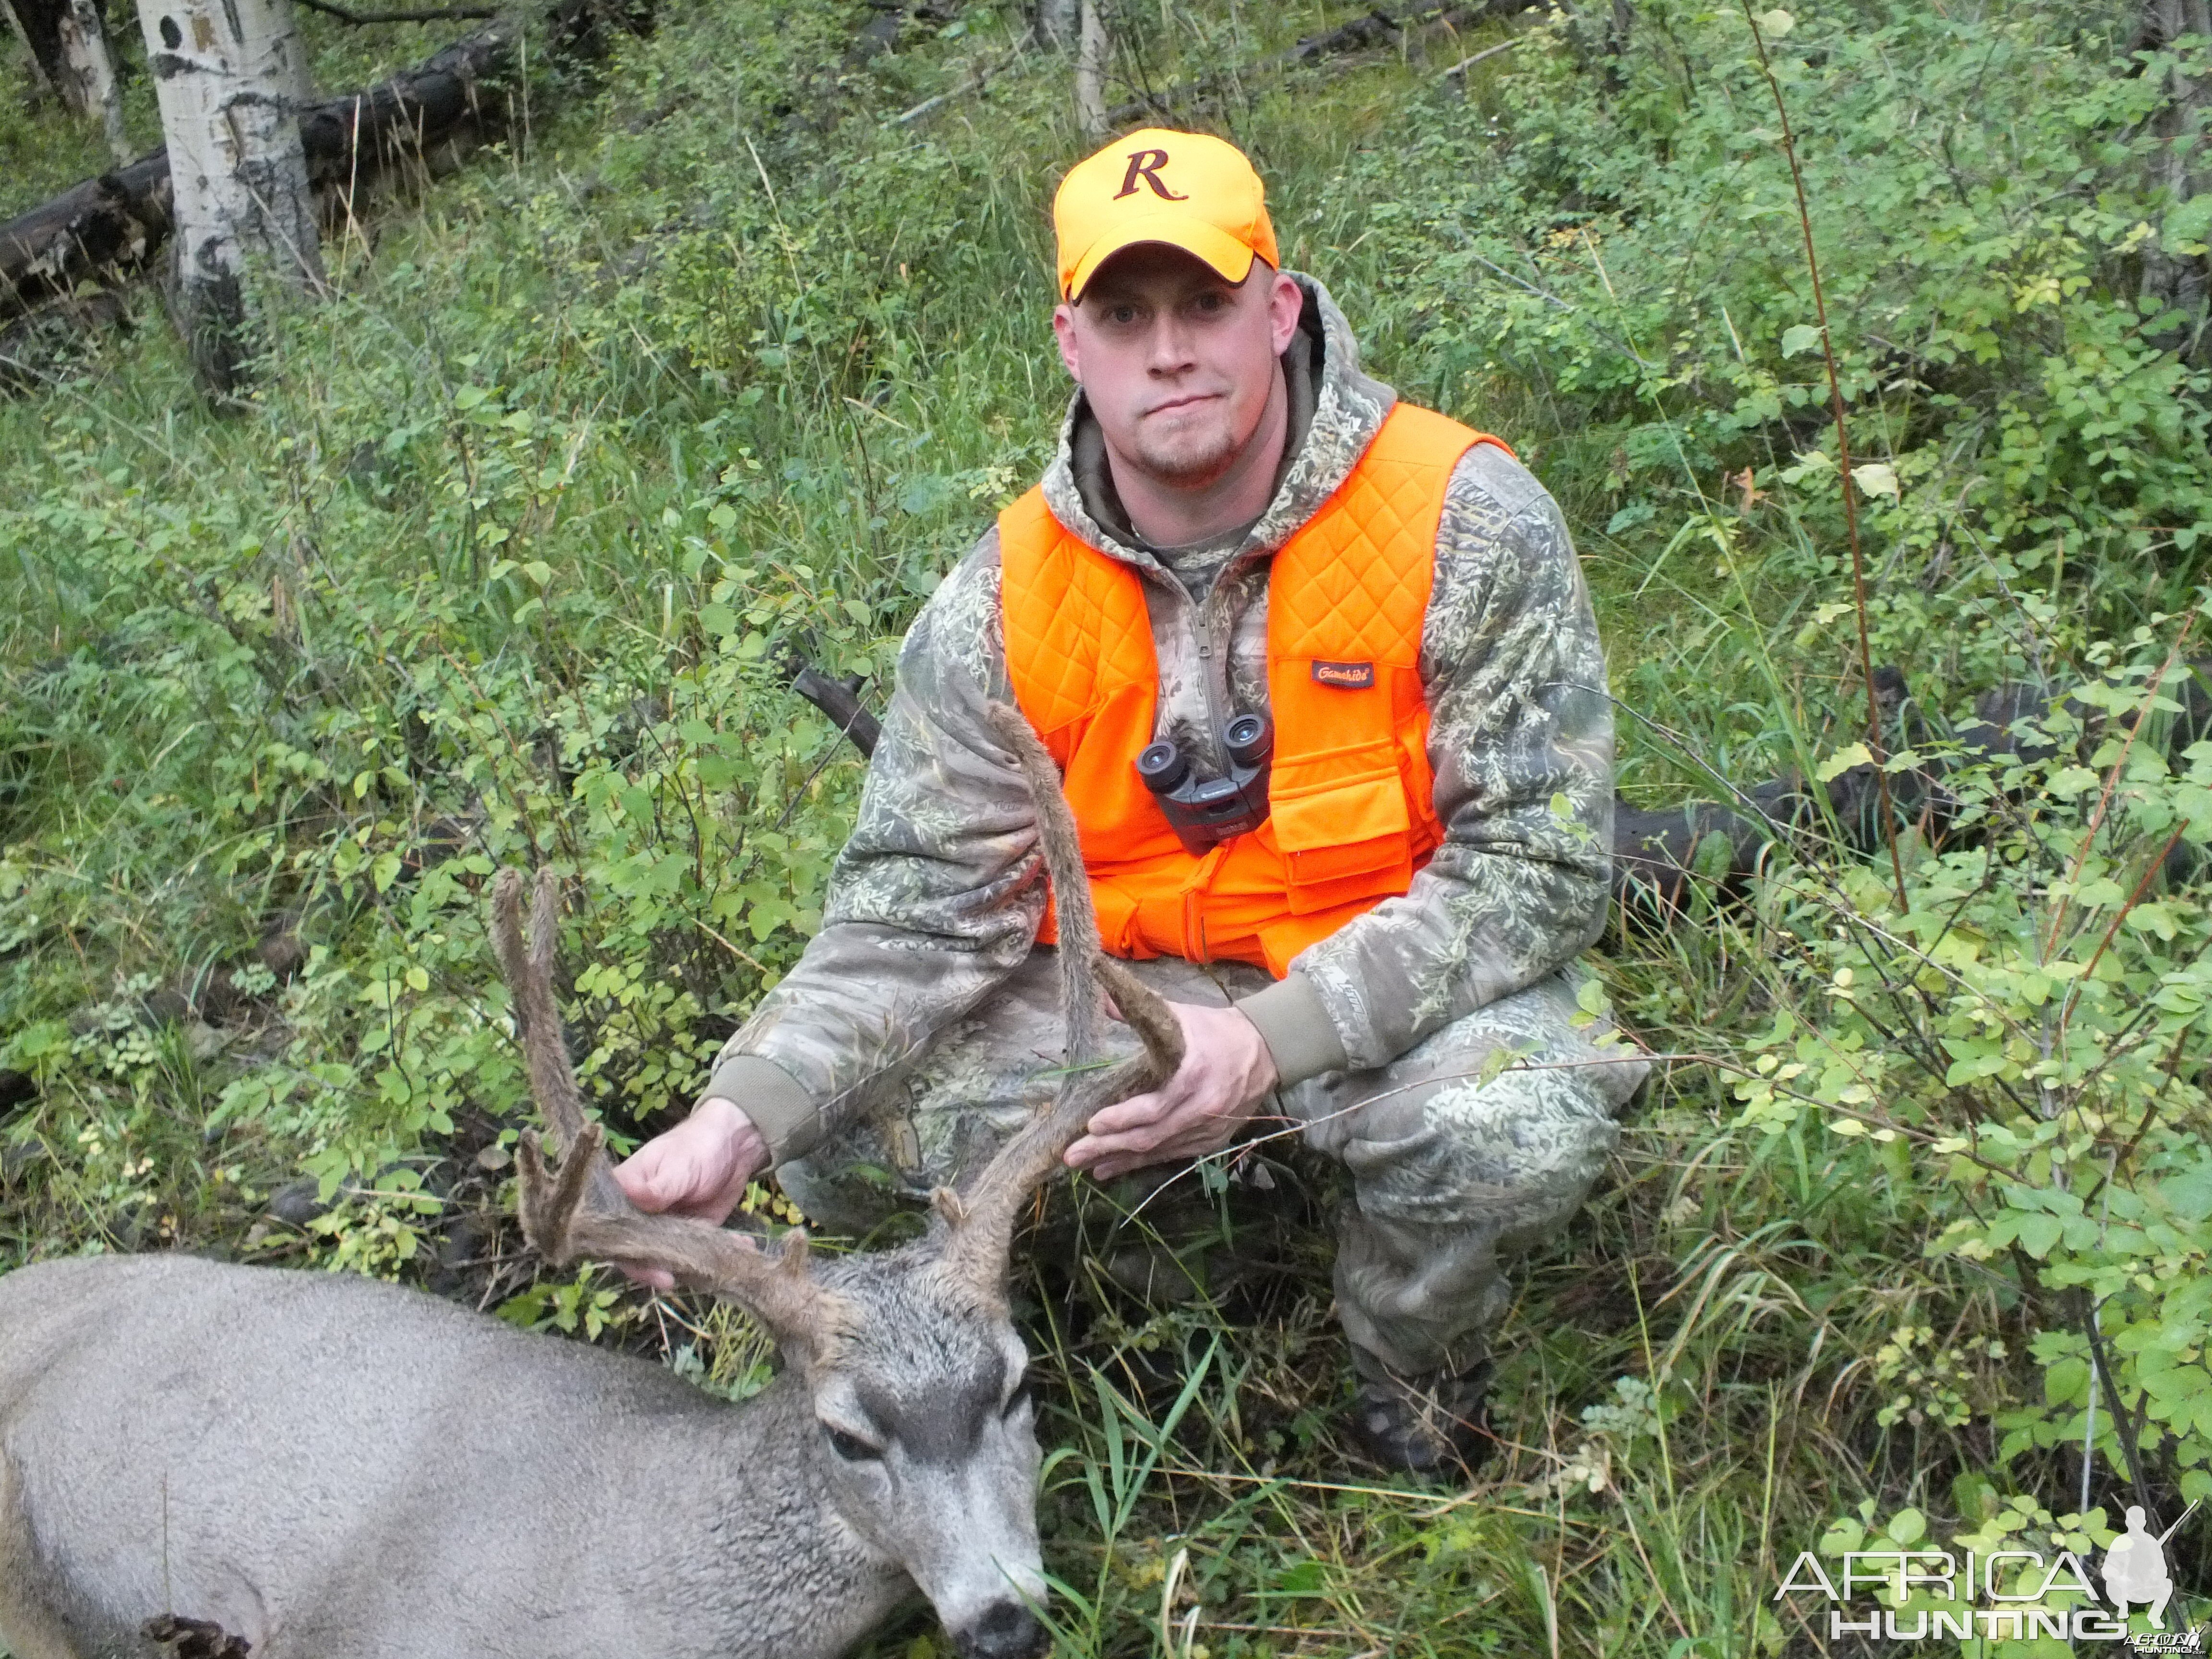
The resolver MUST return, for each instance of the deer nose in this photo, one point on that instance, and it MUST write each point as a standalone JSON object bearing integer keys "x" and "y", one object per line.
{"x": 1007, "y": 1629}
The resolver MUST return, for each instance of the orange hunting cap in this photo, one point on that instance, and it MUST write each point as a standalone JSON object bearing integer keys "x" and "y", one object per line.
{"x": 1187, "y": 189}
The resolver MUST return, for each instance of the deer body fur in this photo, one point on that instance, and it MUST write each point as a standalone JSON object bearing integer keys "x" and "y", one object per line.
{"x": 502, "y": 1493}
{"x": 328, "y": 1467}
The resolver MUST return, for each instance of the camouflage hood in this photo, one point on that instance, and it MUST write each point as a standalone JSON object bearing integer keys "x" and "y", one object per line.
{"x": 1336, "y": 411}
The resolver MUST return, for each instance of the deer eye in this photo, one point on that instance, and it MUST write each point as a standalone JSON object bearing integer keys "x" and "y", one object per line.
{"x": 851, "y": 1446}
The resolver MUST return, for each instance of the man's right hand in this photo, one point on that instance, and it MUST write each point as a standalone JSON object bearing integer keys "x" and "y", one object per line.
{"x": 699, "y": 1168}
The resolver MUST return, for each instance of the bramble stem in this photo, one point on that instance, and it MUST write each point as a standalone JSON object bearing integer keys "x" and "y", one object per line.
{"x": 1843, "y": 450}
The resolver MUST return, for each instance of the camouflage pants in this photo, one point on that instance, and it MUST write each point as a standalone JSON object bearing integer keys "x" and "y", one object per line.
{"x": 1452, "y": 1176}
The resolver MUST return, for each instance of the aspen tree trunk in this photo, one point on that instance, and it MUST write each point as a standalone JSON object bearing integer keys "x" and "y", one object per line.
{"x": 1058, "y": 22}
{"x": 88, "y": 82}
{"x": 225, "y": 72}
{"x": 1091, "y": 53}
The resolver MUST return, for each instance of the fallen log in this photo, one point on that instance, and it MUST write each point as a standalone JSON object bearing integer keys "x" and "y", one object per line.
{"x": 1661, "y": 857}
{"x": 108, "y": 229}
{"x": 1375, "y": 29}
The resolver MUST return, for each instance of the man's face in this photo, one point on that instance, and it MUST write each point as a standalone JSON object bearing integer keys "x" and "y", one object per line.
{"x": 1178, "y": 364}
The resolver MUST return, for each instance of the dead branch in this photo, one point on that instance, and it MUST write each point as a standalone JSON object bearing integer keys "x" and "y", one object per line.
{"x": 441, "y": 15}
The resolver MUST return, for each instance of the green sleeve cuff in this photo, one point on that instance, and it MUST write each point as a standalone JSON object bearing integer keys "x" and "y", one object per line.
{"x": 1296, "y": 1030}
{"x": 780, "y": 1108}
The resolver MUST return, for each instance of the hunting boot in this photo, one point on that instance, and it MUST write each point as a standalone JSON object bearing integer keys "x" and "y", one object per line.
{"x": 1435, "y": 1424}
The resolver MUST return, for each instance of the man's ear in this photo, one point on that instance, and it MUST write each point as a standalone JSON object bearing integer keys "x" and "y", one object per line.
{"x": 1285, "y": 300}
{"x": 1063, "y": 329}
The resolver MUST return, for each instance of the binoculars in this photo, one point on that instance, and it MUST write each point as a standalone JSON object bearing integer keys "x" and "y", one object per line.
{"x": 1205, "y": 812}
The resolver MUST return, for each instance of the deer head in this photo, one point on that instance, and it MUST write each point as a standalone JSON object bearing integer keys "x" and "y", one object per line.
{"x": 926, "y": 1445}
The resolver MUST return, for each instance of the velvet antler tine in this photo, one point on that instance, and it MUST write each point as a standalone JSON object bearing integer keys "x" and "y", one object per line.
{"x": 980, "y": 1223}
{"x": 528, "y": 970}
{"x": 1146, "y": 1013}
{"x": 1061, "y": 845}
{"x": 549, "y": 1201}
{"x": 580, "y": 1210}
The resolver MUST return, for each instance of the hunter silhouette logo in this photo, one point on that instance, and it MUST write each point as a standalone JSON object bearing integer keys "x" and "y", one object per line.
{"x": 2014, "y": 1582}
{"x": 1145, "y": 164}
{"x": 2135, "y": 1568}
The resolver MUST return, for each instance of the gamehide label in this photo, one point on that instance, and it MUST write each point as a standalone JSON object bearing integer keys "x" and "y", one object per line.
{"x": 1344, "y": 675}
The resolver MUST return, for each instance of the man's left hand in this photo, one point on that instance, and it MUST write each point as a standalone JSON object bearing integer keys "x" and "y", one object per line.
{"x": 1226, "y": 1071}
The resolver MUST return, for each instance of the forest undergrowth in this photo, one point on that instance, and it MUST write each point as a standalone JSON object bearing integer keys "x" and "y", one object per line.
{"x": 718, "y": 361}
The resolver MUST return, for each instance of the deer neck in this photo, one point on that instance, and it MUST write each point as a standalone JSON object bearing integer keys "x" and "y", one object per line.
{"x": 756, "y": 1519}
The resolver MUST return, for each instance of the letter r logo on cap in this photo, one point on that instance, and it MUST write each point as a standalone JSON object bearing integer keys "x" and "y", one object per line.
{"x": 1145, "y": 164}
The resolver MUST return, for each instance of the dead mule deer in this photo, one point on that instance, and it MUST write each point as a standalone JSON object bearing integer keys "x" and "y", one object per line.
{"x": 329, "y": 1468}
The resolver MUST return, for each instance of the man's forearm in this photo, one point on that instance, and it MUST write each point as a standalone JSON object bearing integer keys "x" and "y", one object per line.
{"x": 935, "y": 899}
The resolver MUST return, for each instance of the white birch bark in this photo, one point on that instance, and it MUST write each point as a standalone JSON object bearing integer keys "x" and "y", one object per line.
{"x": 89, "y": 81}
{"x": 1091, "y": 53}
{"x": 224, "y": 72}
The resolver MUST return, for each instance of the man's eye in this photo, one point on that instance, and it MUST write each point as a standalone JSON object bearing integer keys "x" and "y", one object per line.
{"x": 850, "y": 1446}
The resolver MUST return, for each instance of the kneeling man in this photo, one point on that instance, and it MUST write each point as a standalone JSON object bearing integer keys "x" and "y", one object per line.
{"x": 1322, "y": 679}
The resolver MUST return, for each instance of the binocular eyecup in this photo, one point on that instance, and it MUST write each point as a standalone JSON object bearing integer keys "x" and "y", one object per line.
{"x": 1205, "y": 811}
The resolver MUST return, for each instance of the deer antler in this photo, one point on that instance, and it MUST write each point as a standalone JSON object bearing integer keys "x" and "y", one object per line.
{"x": 981, "y": 1220}
{"x": 580, "y": 1212}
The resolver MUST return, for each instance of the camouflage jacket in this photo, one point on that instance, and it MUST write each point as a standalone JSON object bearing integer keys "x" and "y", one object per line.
{"x": 936, "y": 897}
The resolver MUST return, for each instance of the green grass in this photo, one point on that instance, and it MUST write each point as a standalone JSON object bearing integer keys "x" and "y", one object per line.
{"x": 717, "y": 360}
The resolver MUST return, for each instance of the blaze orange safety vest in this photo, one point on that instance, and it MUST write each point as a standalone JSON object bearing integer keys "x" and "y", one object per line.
{"x": 1350, "y": 797}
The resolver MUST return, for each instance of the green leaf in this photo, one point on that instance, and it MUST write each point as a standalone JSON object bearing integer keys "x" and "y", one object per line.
{"x": 2190, "y": 223}
{"x": 1876, "y": 479}
{"x": 1800, "y": 339}
{"x": 1843, "y": 760}
{"x": 2038, "y": 1233}
{"x": 1307, "y": 1578}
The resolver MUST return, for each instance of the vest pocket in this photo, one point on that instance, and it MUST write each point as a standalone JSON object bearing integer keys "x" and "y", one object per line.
{"x": 1341, "y": 824}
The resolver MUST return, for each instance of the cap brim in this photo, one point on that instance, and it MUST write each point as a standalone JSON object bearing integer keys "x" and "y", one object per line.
{"x": 1209, "y": 242}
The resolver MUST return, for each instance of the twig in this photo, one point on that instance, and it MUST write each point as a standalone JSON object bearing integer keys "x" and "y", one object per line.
{"x": 1467, "y": 63}
{"x": 439, "y": 14}
{"x": 2112, "y": 779}
{"x": 1843, "y": 457}
{"x": 973, "y": 84}
{"x": 2074, "y": 991}
{"x": 2125, "y": 1430}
